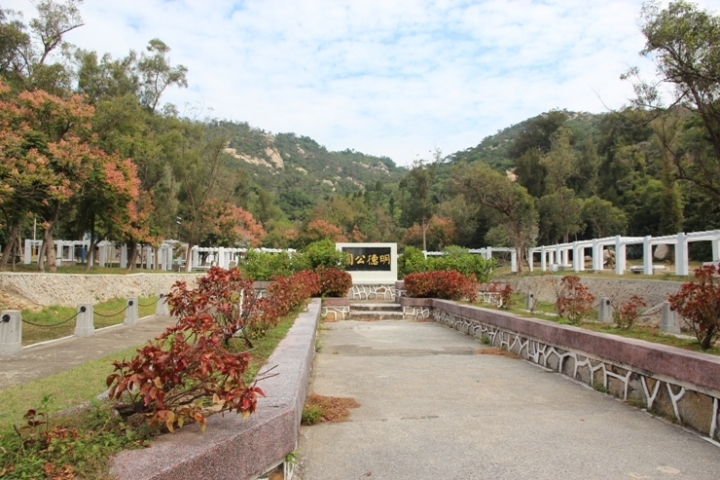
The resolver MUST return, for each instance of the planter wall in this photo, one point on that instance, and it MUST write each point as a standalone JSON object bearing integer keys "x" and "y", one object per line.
{"x": 336, "y": 308}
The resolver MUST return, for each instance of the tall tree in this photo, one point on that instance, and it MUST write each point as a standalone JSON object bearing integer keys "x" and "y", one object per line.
{"x": 684, "y": 41}
{"x": 512, "y": 207}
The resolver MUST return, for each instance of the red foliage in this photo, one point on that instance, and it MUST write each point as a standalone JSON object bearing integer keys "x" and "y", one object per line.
{"x": 699, "y": 303}
{"x": 445, "y": 284}
{"x": 319, "y": 229}
{"x": 574, "y": 300}
{"x": 628, "y": 312}
{"x": 188, "y": 371}
{"x": 334, "y": 282}
{"x": 505, "y": 291}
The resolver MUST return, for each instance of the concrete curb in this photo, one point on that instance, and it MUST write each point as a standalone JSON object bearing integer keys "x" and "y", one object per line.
{"x": 232, "y": 448}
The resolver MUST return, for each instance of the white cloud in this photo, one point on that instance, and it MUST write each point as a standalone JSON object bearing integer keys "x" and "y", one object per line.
{"x": 393, "y": 78}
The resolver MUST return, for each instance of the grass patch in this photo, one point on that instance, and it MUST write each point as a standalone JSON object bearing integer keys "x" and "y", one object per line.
{"x": 50, "y": 317}
{"x": 546, "y": 311}
{"x": 91, "y": 434}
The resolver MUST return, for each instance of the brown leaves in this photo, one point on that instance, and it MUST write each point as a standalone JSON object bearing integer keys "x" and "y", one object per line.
{"x": 699, "y": 302}
{"x": 574, "y": 300}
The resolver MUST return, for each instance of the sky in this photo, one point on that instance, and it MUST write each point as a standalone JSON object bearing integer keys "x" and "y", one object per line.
{"x": 395, "y": 78}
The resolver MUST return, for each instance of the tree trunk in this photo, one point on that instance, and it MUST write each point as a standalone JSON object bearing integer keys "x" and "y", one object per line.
{"x": 10, "y": 247}
{"x": 41, "y": 257}
{"x": 49, "y": 244}
{"x": 132, "y": 255}
{"x": 91, "y": 253}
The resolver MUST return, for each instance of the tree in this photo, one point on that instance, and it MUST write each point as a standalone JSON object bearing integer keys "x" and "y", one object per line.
{"x": 418, "y": 205}
{"x": 602, "y": 219}
{"x": 26, "y": 53}
{"x": 685, "y": 44}
{"x": 512, "y": 208}
{"x": 156, "y": 74}
{"x": 559, "y": 207}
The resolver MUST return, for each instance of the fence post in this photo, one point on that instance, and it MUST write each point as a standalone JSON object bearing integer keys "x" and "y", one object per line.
{"x": 10, "y": 333}
{"x": 530, "y": 301}
{"x": 162, "y": 307}
{"x": 606, "y": 310}
{"x": 84, "y": 325}
{"x": 131, "y": 313}
{"x": 669, "y": 320}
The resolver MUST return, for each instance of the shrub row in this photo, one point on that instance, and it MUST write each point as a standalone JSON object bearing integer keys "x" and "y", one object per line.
{"x": 448, "y": 285}
{"x": 455, "y": 258}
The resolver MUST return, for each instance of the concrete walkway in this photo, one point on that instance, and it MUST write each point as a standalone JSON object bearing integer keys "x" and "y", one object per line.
{"x": 48, "y": 358}
{"x": 432, "y": 407}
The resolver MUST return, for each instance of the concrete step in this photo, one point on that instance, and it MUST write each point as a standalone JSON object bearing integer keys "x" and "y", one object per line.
{"x": 374, "y": 306}
{"x": 368, "y": 315}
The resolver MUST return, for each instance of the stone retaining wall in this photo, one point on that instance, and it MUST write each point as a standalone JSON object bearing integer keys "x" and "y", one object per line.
{"x": 232, "y": 447}
{"x": 681, "y": 385}
{"x": 47, "y": 289}
{"x": 653, "y": 292}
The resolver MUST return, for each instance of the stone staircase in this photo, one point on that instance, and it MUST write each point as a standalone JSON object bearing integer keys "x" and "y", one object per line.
{"x": 373, "y": 310}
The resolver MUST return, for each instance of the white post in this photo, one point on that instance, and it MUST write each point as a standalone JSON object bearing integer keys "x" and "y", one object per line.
{"x": 715, "y": 249}
{"x": 195, "y": 258}
{"x": 123, "y": 256}
{"x": 669, "y": 320}
{"x": 619, "y": 256}
{"x": 10, "y": 333}
{"x": 682, "y": 258}
{"x": 149, "y": 251}
{"x": 84, "y": 326}
{"x": 543, "y": 260}
{"x": 221, "y": 260}
{"x": 28, "y": 251}
{"x": 605, "y": 314}
{"x": 59, "y": 253}
{"x": 647, "y": 256}
{"x": 514, "y": 261}
{"x": 488, "y": 253}
{"x": 131, "y": 313}
{"x": 103, "y": 255}
{"x": 162, "y": 306}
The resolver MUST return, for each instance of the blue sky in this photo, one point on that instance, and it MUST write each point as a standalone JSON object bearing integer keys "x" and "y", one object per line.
{"x": 395, "y": 77}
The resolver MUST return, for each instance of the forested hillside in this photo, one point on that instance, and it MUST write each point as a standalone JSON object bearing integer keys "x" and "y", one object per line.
{"x": 88, "y": 147}
{"x": 650, "y": 168}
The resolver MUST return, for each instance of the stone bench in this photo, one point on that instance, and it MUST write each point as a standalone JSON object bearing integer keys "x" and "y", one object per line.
{"x": 640, "y": 269}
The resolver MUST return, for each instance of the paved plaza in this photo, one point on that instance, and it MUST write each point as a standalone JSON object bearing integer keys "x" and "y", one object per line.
{"x": 434, "y": 407}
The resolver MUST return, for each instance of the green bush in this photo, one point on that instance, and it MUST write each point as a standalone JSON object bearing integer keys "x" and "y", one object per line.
{"x": 324, "y": 254}
{"x": 411, "y": 261}
{"x": 263, "y": 266}
{"x": 456, "y": 258}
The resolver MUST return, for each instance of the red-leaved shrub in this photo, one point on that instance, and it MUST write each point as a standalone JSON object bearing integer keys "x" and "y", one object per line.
{"x": 699, "y": 302}
{"x": 445, "y": 284}
{"x": 189, "y": 371}
{"x": 334, "y": 282}
{"x": 574, "y": 300}
{"x": 628, "y": 312}
{"x": 505, "y": 291}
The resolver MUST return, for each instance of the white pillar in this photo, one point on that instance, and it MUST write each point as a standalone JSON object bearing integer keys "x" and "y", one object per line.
{"x": 597, "y": 256}
{"x": 103, "y": 255}
{"x": 715, "y": 249}
{"x": 543, "y": 260}
{"x": 221, "y": 258}
{"x": 619, "y": 256}
{"x": 647, "y": 256}
{"x": 84, "y": 326}
{"x": 28, "y": 251}
{"x": 488, "y": 253}
{"x": 123, "y": 256}
{"x": 682, "y": 258}
{"x": 10, "y": 333}
{"x": 577, "y": 258}
{"x": 59, "y": 252}
{"x": 195, "y": 258}
{"x": 514, "y": 261}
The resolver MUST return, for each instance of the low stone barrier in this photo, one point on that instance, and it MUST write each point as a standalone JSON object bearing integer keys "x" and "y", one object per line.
{"x": 678, "y": 384}
{"x": 232, "y": 447}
